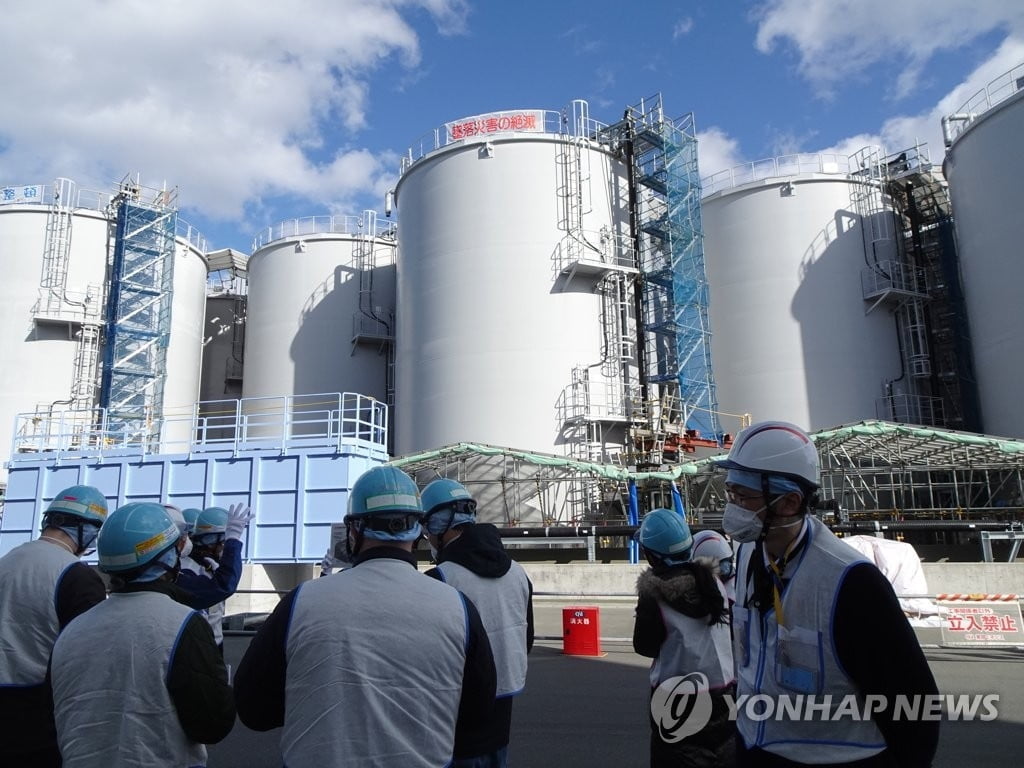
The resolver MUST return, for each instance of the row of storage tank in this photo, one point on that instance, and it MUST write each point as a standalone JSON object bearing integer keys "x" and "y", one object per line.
{"x": 473, "y": 322}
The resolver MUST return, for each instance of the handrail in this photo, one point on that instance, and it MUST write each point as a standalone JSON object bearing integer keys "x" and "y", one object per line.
{"x": 559, "y": 122}
{"x": 998, "y": 90}
{"x": 91, "y": 200}
{"x": 775, "y": 167}
{"x": 333, "y": 420}
{"x": 320, "y": 225}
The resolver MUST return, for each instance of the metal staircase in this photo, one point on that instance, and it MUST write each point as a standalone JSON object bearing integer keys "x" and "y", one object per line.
{"x": 913, "y": 272}
{"x": 922, "y": 199}
{"x": 671, "y": 256}
{"x": 138, "y": 318}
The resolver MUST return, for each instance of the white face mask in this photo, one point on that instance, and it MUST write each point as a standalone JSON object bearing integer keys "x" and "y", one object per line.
{"x": 187, "y": 548}
{"x": 742, "y": 524}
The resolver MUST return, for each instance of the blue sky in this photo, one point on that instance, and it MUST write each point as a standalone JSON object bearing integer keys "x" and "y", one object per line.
{"x": 260, "y": 114}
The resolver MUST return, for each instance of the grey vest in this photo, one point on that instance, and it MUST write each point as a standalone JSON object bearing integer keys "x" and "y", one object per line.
{"x": 375, "y": 660}
{"x": 798, "y": 660}
{"x": 109, "y": 680}
{"x": 692, "y": 645}
{"x": 29, "y": 576}
{"x": 502, "y": 605}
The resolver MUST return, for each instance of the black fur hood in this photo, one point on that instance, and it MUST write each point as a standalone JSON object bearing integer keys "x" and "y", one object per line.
{"x": 690, "y": 588}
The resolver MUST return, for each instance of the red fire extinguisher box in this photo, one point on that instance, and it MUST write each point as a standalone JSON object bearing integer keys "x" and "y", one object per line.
{"x": 581, "y": 631}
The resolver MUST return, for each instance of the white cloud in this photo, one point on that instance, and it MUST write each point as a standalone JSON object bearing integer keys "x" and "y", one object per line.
{"x": 838, "y": 39}
{"x": 227, "y": 100}
{"x": 682, "y": 28}
{"x": 904, "y": 131}
{"x": 716, "y": 151}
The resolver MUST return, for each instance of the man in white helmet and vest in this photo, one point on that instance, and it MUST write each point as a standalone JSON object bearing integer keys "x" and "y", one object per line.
{"x": 813, "y": 619}
{"x": 682, "y": 622}
{"x": 376, "y": 664}
{"x": 137, "y": 680}
{"x": 471, "y": 557}
{"x": 43, "y": 586}
{"x": 714, "y": 551}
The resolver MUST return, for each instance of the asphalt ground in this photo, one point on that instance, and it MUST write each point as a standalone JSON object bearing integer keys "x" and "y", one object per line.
{"x": 592, "y": 711}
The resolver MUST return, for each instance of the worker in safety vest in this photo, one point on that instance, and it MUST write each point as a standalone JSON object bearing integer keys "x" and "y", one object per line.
{"x": 43, "y": 586}
{"x": 137, "y": 680}
{"x": 376, "y": 664}
{"x": 712, "y": 549}
{"x": 816, "y": 626}
{"x": 214, "y": 567}
{"x": 471, "y": 557}
{"x": 682, "y": 622}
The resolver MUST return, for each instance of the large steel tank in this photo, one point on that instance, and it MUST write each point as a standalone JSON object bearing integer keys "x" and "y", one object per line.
{"x": 40, "y": 343}
{"x": 784, "y": 253}
{"x": 984, "y": 166}
{"x": 490, "y": 329}
{"x": 321, "y": 304}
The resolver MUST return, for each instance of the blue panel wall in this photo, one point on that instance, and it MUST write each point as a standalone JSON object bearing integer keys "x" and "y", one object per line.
{"x": 295, "y": 496}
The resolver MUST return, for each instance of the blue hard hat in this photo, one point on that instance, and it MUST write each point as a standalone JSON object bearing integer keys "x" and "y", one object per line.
{"x": 82, "y": 501}
{"x": 191, "y": 515}
{"x": 135, "y": 535}
{"x": 211, "y": 520}
{"x": 443, "y": 494}
{"x": 386, "y": 492}
{"x": 665, "y": 533}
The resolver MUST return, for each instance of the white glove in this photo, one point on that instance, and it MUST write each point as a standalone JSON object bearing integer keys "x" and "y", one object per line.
{"x": 238, "y": 517}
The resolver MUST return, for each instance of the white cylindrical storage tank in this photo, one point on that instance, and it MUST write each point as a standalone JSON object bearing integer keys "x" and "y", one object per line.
{"x": 489, "y": 331}
{"x": 790, "y": 338}
{"x": 41, "y": 327}
{"x": 185, "y": 347}
{"x": 984, "y": 167}
{"x": 321, "y": 303}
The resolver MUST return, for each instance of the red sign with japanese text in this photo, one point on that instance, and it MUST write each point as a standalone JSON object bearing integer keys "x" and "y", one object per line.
{"x": 982, "y": 623}
{"x": 529, "y": 120}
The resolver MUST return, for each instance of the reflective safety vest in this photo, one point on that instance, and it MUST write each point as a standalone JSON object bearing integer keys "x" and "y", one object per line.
{"x": 109, "y": 678}
{"x": 692, "y": 645}
{"x": 29, "y": 576}
{"x": 502, "y": 604}
{"x": 375, "y": 660}
{"x": 797, "y": 661}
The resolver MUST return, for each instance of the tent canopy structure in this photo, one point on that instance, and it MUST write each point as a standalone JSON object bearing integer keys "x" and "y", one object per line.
{"x": 871, "y": 468}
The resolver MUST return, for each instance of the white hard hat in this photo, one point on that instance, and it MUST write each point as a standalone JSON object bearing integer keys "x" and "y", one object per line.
{"x": 775, "y": 448}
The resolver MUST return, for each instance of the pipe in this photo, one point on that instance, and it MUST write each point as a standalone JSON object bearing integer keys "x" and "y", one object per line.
{"x": 947, "y": 126}
{"x": 858, "y": 526}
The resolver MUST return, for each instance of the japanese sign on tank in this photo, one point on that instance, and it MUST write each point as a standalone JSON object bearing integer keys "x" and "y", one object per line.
{"x": 982, "y": 623}
{"x": 526, "y": 120}
{"x": 32, "y": 193}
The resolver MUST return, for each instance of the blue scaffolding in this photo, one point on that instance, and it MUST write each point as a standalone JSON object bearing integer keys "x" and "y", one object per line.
{"x": 675, "y": 290}
{"x": 138, "y": 317}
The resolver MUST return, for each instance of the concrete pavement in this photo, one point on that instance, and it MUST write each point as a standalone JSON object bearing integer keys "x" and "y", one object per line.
{"x": 592, "y": 711}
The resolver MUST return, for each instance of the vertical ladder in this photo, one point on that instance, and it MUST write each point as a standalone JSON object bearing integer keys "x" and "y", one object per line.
{"x": 57, "y": 247}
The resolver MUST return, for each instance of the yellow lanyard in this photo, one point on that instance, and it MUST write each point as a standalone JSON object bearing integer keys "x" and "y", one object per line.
{"x": 775, "y": 569}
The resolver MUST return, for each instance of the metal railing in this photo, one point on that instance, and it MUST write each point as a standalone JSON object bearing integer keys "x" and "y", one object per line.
{"x": 775, "y": 167}
{"x": 997, "y": 91}
{"x": 93, "y": 200}
{"x": 561, "y": 123}
{"x": 320, "y": 225}
{"x": 332, "y": 420}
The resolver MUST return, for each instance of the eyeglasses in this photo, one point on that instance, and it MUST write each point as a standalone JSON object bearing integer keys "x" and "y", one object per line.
{"x": 741, "y": 498}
